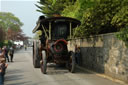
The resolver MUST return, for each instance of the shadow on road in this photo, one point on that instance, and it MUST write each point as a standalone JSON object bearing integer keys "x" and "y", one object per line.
{"x": 13, "y": 75}
{"x": 16, "y": 75}
{"x": 53, "y": 69}
{"x": 23, "y": 83}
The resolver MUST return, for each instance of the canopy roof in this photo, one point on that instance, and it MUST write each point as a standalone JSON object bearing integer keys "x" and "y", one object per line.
{"x": 45, "y": 22}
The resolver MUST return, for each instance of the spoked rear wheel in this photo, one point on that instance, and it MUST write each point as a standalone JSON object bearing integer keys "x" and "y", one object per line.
{"x": 44, "y": 62}
{"x": 72, "y": 63}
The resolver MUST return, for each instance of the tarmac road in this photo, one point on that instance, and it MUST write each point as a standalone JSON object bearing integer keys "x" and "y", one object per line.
{"x": 22, "y": 72}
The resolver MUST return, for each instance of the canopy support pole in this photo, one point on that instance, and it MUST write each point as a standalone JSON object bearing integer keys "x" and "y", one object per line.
{"x": 50, "y": 30}
{"x": 45, "y": 31}
{"x": 70, "y": 30}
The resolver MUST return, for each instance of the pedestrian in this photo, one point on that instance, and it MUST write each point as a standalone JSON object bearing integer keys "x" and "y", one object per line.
{"x": 6, "y": 53}
{"x": 3, "y": 67}
{"x": 2, "y": 53}
{"x": 11, "y": 53}
{"x": 25, "y": 47}
{"x": 1, "y": 82}
{"x": 78, "y": 55}
{"x": 0, "y": 50}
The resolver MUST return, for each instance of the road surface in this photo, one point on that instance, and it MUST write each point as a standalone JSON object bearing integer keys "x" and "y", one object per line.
{"x": 22, "y": 72}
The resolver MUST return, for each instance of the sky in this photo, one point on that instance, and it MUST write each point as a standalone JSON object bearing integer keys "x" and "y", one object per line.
{"x": 25, "y": 10}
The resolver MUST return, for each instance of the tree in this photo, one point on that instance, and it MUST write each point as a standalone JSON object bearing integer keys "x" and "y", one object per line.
{"x": 10, "y": 24}
{"x": 8, "y": 20}
{"x": 10, "y": 28}
{"x": 104, "y": 17}
{"x": 16, "y": 35}
{"x": 53, "y": 7}
{"x": 72, "y": 10}
{"x": 2, "y": 34}
{"x": 79, "y": 10}
{"x": 120, "y": 20}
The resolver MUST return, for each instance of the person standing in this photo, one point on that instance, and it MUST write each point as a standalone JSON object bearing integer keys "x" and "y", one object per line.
{"x": 1, "y": 77}
{"x": 2, "y": 53}
{"x": 3, "y": 67}
{"x": 0, "y": 50}
{"x": 78, "y": 55}
{"x": 6, "y": 53}
{"x": 25, "y": 46}
{"x": 11, "y": 53}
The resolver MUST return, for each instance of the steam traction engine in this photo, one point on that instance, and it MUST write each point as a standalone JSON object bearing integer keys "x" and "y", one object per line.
{"x": 52, "y": 46}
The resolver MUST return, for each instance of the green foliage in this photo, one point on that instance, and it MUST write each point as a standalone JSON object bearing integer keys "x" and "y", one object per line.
{"x": 8, "y": 20}
{"x": 120, "y": 20}
{"x": 82, "y": 31}
{"x": 9, "y": 26}
{"x": 2, "y": 34}
{"x": 6, "y": 43}
{"x": 71, "y": 10}
{"x": 77, "y": 9}
{"x": 51, "y": 7}
{"x": 103, "y": 17}
{"x": 123, "y": 35}
{"x": 81, "y": 10}
{"x": 1, "y": 44}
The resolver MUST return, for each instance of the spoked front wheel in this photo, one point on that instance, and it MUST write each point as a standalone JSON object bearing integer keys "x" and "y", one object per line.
{"x": 36, "y": 57}
{"x": 43, "y": 62}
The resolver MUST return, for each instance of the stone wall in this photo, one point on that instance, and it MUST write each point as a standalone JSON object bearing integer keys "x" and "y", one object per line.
{"x": 103, "y": 54}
